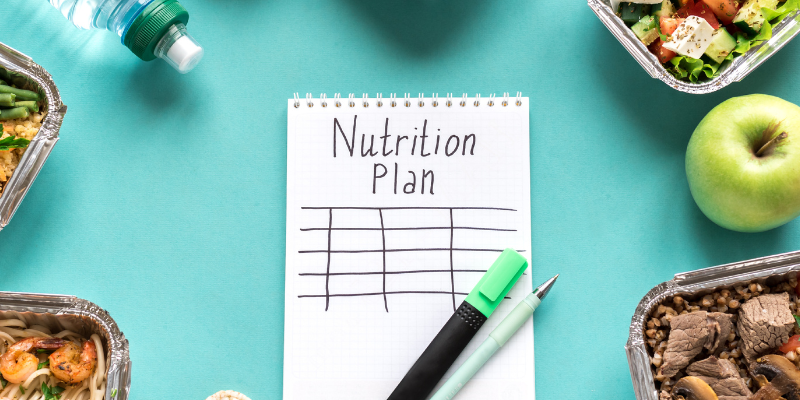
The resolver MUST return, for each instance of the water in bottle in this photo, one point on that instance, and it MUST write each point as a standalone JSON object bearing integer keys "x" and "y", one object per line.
{"x": 149, "y": 28}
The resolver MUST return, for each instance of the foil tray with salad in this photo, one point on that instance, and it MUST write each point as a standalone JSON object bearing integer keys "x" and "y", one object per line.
{"x": 693, "y": 38}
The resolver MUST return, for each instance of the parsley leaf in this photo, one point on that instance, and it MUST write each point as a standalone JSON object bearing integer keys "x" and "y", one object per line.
{"x": 796, "y": 319}
{"x": 114, "y": 393}
{"x": 43, "y": 364}
{"x": 51, "y": 393}
{"x": 22, "y": 389}
{"x": 3, "y": 381}
{"x": 13, "y": 143}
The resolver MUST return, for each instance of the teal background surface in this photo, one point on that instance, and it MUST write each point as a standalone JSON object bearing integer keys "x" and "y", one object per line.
{"x": 164, "y": 200}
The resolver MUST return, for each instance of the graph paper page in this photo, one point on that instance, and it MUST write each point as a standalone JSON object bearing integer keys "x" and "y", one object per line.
{"x": 392, "y": 216}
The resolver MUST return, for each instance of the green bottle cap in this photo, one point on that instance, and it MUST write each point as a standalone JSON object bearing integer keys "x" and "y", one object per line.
{"x": 151, "y": 25}
{"x": 497, "y": 281}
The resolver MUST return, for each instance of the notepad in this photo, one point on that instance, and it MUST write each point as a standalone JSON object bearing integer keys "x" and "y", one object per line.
{"x": 395, "y": 208}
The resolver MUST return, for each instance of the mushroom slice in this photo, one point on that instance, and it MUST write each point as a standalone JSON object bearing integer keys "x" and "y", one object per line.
{"x": 778, "y": 377}
{"x": 693, "y": 388}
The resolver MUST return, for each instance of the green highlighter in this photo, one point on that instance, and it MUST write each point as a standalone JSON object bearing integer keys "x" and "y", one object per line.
{"x": 461, "y": 327}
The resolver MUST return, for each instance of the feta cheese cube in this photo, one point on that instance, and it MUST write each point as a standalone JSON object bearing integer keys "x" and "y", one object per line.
{"x": 692, "y": 37}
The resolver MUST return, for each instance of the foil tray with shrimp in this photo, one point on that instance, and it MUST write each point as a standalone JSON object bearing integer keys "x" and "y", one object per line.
{"x": 696, "y": 284}
{"x": 59, "y": 313}
{"x": 26, "y": 74}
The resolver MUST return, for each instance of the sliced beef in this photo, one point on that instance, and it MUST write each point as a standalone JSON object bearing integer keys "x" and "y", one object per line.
{"x": 722, "y": 376}
{"x": 764, "y": 324}
{"x": 689, "y": 334}
{"x": 720, "y": 326}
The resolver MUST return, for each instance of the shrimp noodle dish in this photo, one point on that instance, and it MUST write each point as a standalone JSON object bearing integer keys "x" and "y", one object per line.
{"x": 38, "y": 364}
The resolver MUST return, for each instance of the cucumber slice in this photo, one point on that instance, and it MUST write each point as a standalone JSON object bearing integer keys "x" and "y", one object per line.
{"x": 749, "y": 18}
{"x": 722, "y": 44}
{"x": 633, "y": 12}
{"x": 663, "y": 10}
{"x": 646, "y": 30}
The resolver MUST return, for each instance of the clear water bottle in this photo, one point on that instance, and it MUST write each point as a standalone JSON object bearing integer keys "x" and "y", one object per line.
{"x": 149, "y": 28}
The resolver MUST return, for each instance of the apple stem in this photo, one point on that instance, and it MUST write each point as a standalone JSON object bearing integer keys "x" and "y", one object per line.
{"x": 770, "y": 145}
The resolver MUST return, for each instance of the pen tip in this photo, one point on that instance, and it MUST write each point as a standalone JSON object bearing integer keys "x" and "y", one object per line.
{"x": 542, "y": 290}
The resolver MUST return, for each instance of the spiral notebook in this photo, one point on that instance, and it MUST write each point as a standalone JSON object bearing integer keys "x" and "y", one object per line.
{"x": 395, "y": 208}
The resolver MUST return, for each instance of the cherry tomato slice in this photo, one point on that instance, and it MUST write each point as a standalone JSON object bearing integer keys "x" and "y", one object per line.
{"x": 793, "y": 343}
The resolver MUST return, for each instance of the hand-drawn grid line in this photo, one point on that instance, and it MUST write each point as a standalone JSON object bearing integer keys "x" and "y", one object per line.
{"x": 384, "y": 250}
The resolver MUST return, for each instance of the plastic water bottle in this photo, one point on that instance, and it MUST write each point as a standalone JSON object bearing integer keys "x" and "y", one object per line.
{"x": 149, "y": 28}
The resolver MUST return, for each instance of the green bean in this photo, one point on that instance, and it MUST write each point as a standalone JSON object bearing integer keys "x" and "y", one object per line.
{"x": 14, "y": 113}
{"x": 32, "y": 106}
{"x": 22, "y": 94}
{"x": 7, "y": 99}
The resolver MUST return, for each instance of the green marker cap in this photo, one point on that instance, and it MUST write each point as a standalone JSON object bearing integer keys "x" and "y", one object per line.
{"x": 497, "y": 281}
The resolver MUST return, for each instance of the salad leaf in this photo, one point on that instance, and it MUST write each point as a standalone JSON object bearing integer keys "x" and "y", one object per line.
{"x": 13, "y": 143}
{"x": 703, "y": 69}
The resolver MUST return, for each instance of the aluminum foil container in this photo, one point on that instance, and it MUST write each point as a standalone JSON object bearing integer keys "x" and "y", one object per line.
{"x": 24, "y": 73}
{"x": 734, "y": 71}
{"x": 767, "y": 270}
{"x": 59, "y": 312}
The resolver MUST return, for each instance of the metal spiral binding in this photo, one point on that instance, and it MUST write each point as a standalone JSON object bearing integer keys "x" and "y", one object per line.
{"x": 365, "y": 100}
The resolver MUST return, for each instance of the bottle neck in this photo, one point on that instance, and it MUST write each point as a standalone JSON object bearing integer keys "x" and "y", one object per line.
{"x": 123, "y": 18}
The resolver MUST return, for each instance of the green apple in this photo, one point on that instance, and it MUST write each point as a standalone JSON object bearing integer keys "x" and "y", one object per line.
{"x": 743, "y": 163}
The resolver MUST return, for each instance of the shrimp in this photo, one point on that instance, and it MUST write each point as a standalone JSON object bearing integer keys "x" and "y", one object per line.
{"x": 17, "y": 363}
{"x": 73, "y": 364}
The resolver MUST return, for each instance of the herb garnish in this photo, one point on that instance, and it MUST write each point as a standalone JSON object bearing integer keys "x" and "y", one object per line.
{"x": 114, "y": 393}
{"x": 796, "y": 319}
{"x": 43, "y": 364}
{"x": 13, "y": 143}
{"x": 3, "y": 381}
{"x": 51, "y": 393}
{"x": 22, "y": 389}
